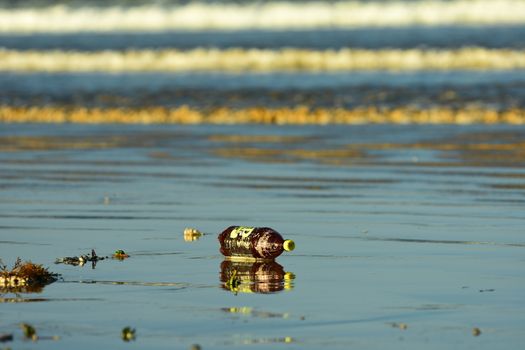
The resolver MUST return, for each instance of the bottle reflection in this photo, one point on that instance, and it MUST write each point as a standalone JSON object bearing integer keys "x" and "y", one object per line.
{"x": 255, "y": 277}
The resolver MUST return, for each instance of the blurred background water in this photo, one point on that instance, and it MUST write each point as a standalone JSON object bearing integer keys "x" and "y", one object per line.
{"x": 423, "y": 53}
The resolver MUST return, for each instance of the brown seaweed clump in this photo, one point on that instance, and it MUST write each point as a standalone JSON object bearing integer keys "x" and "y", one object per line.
{"x": 82, "y": 259}
{"x": 24, "y": 277}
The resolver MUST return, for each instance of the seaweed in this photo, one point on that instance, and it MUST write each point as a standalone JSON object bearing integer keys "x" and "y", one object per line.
{"x": 81, "y": 260}
{"x": 93, "y": 258}
{"x": 30, "y": 333}
{"x": 120, "y": 254}
{"x": 128, "y": 334}
{"x": 5, "y": 337}
{"x": 25, "y": 277}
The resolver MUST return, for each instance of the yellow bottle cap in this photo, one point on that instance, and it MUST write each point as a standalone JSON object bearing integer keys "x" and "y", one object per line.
{"x": 289, "y": 245}
{"x": 289, "y": 276}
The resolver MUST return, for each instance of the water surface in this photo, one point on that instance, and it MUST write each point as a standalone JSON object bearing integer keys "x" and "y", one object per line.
{"x": 416, "y": 227}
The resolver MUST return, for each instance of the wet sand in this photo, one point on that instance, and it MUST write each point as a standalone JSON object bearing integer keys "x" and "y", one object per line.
{"x": 408, "y": 236}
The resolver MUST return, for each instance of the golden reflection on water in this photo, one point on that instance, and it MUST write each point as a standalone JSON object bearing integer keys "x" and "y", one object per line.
{"x": 505, "y": 152}
{"x": 289, "y": 155}
{"x": 490, "y": 148}
{"x": 257, "y": 138}
{"x": 34, "y": 143}
{"x": 468, "y": 149}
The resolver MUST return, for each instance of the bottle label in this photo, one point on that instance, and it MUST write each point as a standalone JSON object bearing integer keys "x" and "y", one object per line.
{"x": 242, "y": 231}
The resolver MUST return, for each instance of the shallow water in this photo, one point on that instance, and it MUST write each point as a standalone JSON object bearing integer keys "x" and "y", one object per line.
{"x": 493, "y": 90}
{"x": 396, "y": 226}
{"x": 408, "y": 236}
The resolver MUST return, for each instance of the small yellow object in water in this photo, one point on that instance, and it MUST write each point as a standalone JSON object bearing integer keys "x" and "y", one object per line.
{"x": 191, "y": 234}
{"x": 128, "y": 334}
{"x": 476, "y": 331}
{"x": 120, "y": 254}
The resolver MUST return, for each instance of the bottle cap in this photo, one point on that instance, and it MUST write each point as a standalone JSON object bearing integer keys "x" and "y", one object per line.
{"x": 289, "y": 245}
{"x": 289, "y": 276}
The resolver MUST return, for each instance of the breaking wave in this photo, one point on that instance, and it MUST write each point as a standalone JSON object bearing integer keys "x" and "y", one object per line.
{"x": 473, "y": 58}
{"x": 261, "y": 15}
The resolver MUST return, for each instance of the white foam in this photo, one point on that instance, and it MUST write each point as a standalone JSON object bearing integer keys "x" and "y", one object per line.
{"x": 262, "y": 60}
{"x": 269, "y": 15}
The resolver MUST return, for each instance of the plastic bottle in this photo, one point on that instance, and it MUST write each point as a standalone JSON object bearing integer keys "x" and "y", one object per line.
{"x": 259, "y": 243}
